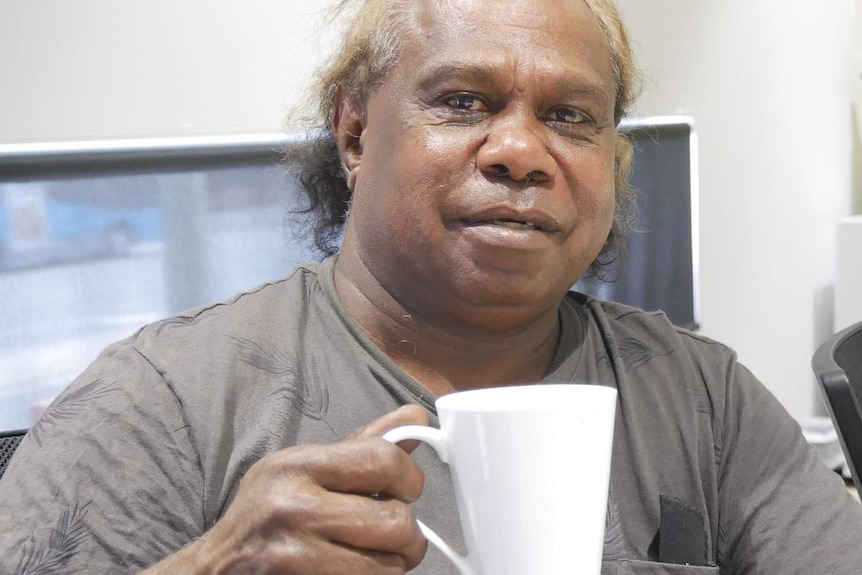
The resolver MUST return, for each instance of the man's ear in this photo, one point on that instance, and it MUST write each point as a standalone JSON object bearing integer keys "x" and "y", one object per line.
{"x": 348, "y": 121}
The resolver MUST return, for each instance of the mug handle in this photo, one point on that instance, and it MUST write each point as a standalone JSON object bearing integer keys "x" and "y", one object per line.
{"x": 433, "y": 437}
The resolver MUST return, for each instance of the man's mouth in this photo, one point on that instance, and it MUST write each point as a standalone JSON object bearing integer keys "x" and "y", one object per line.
{"x": 509, "y": 218}
{"x": 515, "y": 225}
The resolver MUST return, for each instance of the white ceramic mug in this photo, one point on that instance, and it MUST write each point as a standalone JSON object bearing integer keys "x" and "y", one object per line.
{"x": 531, "y": 468}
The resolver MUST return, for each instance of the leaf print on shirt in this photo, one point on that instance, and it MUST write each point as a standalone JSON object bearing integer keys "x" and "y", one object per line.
{"x": 68, "y": 406}
{"x": 312, "y": 400}
{"x": 632, "y": 352}
{"x": 178, "y": 321}
{"x": 614, "y": 547}
{"x": 53, "y": 557}
{"x": 636, "y": 353}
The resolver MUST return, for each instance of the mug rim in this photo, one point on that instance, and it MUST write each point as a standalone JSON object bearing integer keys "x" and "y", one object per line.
{"x": 535, "y": 396}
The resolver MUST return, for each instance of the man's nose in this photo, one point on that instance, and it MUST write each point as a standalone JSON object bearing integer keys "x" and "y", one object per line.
{"x": 514, "y": 148}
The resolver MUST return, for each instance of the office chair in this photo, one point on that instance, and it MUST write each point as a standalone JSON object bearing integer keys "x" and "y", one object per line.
{"x": 838, "y": 367}
{"x": 9, "y": 441}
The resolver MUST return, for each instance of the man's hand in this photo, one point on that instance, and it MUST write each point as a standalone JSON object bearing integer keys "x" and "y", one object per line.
{"x": 322, "y": 509}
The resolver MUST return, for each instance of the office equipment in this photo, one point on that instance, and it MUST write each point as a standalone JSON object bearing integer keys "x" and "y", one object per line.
{"x": 659, "y": 269}
{"x": 837, "y": 363}
{"x": 9, "y": 441}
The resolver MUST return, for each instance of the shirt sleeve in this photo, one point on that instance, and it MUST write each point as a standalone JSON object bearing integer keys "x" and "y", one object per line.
{"x": 781, "y": 509}
{"x": 107, "y": 481}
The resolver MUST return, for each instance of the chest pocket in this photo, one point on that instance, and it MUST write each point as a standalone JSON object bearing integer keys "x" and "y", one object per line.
{"x": 632, "y": 567}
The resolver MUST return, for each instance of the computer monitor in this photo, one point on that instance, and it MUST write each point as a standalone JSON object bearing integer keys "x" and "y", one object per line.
{"x": 658, "y": 270}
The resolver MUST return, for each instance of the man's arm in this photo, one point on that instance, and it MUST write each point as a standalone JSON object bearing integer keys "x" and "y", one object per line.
{"x": 781, "y": 509}
{"x": 109, "y": 481}
{"x": 106, "y": 481}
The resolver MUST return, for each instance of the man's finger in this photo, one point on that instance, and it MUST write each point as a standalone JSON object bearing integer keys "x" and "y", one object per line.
{"x": 385, "y": 525}
{"x": 404, "y": 415}
{"x": 366, "y": 466}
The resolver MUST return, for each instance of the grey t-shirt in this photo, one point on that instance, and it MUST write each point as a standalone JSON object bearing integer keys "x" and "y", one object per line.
{"x": 144, "y": 451}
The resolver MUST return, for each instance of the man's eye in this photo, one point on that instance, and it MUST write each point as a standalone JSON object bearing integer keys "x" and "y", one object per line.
{"x": 568, "y": 116}
{"x": 465, "y": 102}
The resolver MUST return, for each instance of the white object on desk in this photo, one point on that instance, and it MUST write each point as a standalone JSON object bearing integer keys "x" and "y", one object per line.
{"x": 848, "y": 278}
{"x": 857, "y": 89}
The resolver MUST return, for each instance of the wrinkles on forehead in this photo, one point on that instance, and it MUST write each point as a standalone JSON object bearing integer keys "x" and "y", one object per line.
{"x": 430, "y": 24}
{"x": 421, "y": 16}
{"x": 452, "y": 37}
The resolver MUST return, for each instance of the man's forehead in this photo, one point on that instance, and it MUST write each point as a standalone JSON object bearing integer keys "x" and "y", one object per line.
{"x": 436, "y": 21}
{"x": 472, "y": 37}
{"x": 428, "y": 12}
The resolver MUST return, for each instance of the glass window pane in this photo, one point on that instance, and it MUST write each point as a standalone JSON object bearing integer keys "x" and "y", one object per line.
{"x": 93, "y": 251}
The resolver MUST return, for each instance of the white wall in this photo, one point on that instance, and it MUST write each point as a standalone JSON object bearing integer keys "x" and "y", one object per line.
{"x": 125, "y": 68}
{"x": 768, "y": 81}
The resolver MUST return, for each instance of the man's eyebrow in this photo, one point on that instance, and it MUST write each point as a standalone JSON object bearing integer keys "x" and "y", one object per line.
{"x": 575, "y": 88}
{"x": 457, "y": 71}
{"x": 569, "y": 86}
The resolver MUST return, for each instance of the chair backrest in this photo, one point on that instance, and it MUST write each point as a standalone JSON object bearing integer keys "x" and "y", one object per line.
{"x": 838, "y": 367}
{"x": 9, "y": 441}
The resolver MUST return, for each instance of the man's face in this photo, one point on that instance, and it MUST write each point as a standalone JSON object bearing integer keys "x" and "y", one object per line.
{"x": 485, "y": 176}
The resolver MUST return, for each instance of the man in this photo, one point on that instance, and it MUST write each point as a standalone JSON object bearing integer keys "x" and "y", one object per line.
{"x": 478, "y": 146}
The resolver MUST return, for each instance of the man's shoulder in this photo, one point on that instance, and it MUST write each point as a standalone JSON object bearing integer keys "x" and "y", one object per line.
{"x": 619, "y": 322}
{"x": 653, "y": 357}
{"x": 262, "y": 313}
{"x": 269, "y": 299}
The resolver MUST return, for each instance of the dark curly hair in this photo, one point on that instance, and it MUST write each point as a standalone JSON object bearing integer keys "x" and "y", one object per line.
{"x": 369, "y": 47}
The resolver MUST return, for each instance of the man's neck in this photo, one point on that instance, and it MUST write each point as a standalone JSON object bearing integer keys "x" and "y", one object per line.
{"x": 441, "y": 354}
